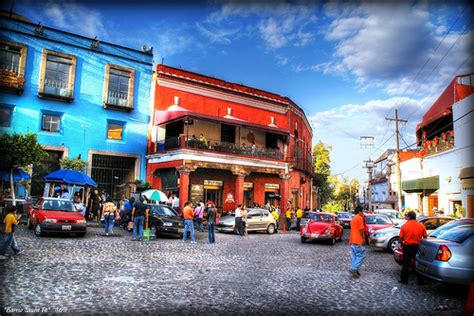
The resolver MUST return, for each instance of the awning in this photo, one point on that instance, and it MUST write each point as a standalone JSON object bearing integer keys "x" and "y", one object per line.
{"x": 466, "y": 173}
{"x": 162, "y": 117}
{"x": 422, "y": 184}
{"x": 457, "y": 90}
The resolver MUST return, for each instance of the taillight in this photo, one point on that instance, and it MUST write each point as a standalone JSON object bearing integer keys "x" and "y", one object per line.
{"x": 443, "y": 254}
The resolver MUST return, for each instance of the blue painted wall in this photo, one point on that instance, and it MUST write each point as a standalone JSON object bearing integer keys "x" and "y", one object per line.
{"x": 84, "y": 120}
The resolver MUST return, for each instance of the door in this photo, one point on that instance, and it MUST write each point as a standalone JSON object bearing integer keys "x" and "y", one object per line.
{"x": 213, "y": 195}
{"x": 254, "y": 220}
{"x": 248, "y": 198}
{"x": 432, "y": 202}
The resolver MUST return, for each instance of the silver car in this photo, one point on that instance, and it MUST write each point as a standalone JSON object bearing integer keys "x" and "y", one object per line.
{"x": 394, "y": 215}
{"x": 387, "y": 238}
{"x": 449, "y": 257}
{"x": 257, "y": 220}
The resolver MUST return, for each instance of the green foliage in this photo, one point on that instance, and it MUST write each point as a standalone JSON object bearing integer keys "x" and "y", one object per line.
{"x": 333, "y": 207}
{"x": 142, "y": 186}
{"x": 20, "y": 150}
{"x": 344, "y": 193}
{"x": 73, "y": 164}
{"x": 322, "y": 168}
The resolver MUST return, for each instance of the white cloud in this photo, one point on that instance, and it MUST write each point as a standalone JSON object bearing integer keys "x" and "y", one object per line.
{"x": 71, "y": 16}
{"x": 217, "y": 35}
{"x": 280, "y": 24}
{"x": 342, "y": 126}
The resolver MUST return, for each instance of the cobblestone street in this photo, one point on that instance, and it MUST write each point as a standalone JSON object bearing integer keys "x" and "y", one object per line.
{"x": 258, "y": 274}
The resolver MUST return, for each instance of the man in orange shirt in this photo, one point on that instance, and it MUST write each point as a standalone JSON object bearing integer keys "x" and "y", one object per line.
{"x": 411, "y": 234}
{"x": 188, "y": 214}
{"x": 356, "y": 240}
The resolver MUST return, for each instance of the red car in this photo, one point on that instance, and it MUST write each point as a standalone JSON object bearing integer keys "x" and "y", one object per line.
{"x": 375, "y": 222}
{"x": 52, "y": 215}
{"x": 322, "y": 226}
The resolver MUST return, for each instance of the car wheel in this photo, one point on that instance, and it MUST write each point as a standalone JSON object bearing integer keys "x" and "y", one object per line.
{"x": 38, "y": 231}
{"x": 271, "y": 229}
{"x": 28, "y": 224}
{"x": 303, "y": 239}
{"x": 393, "y": 244}
{"x": 332, "y": 241}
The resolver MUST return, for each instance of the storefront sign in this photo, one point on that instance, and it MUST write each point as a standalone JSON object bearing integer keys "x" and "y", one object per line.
{"x": 214, "y": 182}
{"x": 248, "y": 185}
{"x": 197, "y": 193}
{"x": 272, "y": 186}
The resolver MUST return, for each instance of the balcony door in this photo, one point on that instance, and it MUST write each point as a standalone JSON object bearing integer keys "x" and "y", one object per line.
{"x": 173, "y": 130}
{"x": 228, "y": 133}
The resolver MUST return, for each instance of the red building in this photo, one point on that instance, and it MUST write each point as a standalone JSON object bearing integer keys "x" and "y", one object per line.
{"x": 255, "y": 145}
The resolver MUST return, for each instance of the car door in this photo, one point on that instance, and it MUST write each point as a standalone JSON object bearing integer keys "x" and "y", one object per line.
{"x": 254, "y": 219}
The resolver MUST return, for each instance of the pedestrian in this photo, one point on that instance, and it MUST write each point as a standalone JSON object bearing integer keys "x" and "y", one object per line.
{"x": 175, "y": 204}
{"x": 411, "y": 234}
{"x": 356, "y": 240}
{"x": 288, "y": 219}
{"x": 244, "y": 221}
{"x": 188, "y": 214}
{"x": 199, "y": 214}
{"x": 128, "y": 207}
{"x": 78, "y": 206}
{"x": 276, "y": 216}
{"x": 211, "y": 222}
{"x": 95, "y": 204}
{"x": 238, "y": 220}
{"x": 109, "y": 213}
{"x": 139, "y": 214}
{"x": 10, "y": 221}
{"x": 299, "y": 215}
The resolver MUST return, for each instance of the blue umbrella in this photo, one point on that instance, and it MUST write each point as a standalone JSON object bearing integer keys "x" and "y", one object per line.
{"x": 18, "y": 175}
{"x": 70, "y": 177}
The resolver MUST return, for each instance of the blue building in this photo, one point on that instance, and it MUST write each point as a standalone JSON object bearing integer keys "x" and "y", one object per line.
{"x": 83, "y": 97}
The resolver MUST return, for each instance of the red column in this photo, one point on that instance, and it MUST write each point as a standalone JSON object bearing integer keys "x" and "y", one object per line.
{"x": 183, "y": 188}
{"x": 239, "y": 189}
{"x": 284, "y": 193}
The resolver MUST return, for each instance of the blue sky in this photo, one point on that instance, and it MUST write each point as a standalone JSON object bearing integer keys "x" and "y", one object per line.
{"x": 347, "y": 64}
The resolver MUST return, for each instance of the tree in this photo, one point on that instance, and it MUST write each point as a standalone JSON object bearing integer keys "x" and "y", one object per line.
{"x": 73, "y": 164}
{"x": 345, "y": 192}
{"x": 18, "y": 151}
{"x": 322, "y": 169}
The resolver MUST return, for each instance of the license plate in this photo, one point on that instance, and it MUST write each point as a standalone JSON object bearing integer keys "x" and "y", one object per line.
{"x": 315, "y": 235}
{"x": 66, "y": 227}
{"x": 422, "y": 267}
{"x": 168, "y": 224}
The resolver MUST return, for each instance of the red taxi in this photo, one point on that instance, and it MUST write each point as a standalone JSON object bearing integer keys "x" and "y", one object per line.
{"x": 53, "y": 215}
{"x": 322, "y": 226}
{"x": 375, "y": 222}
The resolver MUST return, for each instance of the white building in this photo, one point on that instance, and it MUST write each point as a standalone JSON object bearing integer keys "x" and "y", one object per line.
{"x": 447, "y": 164}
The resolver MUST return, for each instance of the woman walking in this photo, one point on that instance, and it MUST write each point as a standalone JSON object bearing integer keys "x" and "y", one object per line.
{"x": 211, "y": 222}
{"x": 109, "y": 212}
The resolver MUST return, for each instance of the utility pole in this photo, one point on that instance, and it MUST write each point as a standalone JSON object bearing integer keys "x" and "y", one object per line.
{"x": 399, "y": 175}
{"x": 368, "y": 143}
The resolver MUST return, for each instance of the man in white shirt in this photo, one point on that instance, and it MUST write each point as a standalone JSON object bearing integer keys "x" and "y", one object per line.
{"x": 175, "y": 204}
{"x": 238, "y": 220}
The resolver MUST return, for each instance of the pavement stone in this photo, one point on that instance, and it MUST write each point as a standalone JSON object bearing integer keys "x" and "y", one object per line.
{"x": 258, "y": 274}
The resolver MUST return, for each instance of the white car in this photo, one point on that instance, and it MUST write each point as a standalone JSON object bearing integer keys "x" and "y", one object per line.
{"x": 394, "y": 215}
{"x": 388, "y": 238}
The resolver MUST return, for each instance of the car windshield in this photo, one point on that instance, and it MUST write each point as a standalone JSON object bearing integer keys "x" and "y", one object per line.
{"x": 321, "y": 218}
{"x": 458, "y": 234}
{"x": 440, "y": 230}
{"x": 371, "y": 219}
{"x": 57, "y": 205}
{"x": 343, "y": 215}
{"x": 164, "y": 211}
{"x": 399, "y": 225}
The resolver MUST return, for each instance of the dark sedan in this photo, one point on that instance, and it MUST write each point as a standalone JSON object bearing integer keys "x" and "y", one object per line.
{"x": 163, "y": 220}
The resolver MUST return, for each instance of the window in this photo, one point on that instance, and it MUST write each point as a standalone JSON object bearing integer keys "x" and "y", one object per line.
{"x": 115, "y": 131}
{"x": 227, "y": 133}
{"x": 118, "y": 90}
{"x": 10, "y": 57}
{"x": 51, "y": 122}
{"x": 57, "y": 75}
{"x": 5, "y": 117}
{"x": 12, "y": 66}
{"x": 431, "y": 223}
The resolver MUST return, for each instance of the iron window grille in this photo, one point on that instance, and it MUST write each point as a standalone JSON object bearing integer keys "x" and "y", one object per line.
{"x": 119, "y": 82}
{"x": 56, "y": 79}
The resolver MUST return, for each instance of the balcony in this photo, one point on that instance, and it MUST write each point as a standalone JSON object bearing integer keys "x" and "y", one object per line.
{"x": 444, "y": 141}
{"x": 303, "y": 161}
{"x": 56, "y": 89}
{"x": 11, "y": 80}
{"x": 117, "y": 100}
{"x": 180, "y": 142}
